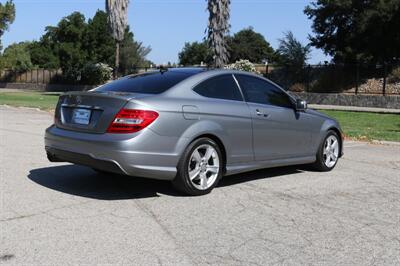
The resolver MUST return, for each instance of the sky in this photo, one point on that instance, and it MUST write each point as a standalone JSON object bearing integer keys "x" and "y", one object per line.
{"x": 166, "y": 25}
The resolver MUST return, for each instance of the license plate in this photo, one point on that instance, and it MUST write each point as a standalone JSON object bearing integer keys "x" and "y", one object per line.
{"x": 81, "y": 116}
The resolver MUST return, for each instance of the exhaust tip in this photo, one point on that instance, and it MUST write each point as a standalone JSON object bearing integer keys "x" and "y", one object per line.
{"x": 52, "y": 158}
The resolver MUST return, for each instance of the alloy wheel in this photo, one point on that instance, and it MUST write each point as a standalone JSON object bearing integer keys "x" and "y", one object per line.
{"x": 203, "y": 167}
{"x": 331, "y": 151}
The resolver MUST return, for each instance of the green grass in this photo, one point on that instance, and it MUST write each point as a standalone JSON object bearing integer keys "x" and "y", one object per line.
{"x": 357, "y": 125}
{"x": 29, "y": 99}
{"x": 368, "y": 126}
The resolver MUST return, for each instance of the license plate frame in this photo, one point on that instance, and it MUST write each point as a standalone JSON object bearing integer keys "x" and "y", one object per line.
{"x": 81, "y": 116}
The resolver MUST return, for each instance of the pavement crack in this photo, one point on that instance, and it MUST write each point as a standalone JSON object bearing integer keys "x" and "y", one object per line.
{"x": 165, "y": 229}
{"x": 6, "y": 257}
{"x": 46, "y": 212}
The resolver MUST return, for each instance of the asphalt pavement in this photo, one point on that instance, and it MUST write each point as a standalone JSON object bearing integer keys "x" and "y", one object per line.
{"x": 59, "y": 214}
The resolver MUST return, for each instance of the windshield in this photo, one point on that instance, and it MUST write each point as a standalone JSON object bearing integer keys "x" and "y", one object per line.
{"x": 150, "y": 82}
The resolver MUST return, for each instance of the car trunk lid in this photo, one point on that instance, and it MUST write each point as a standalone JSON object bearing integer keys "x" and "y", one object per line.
{"x": 90, "y": 112}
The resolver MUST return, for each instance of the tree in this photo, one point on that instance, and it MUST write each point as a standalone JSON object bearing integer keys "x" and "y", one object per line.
{"x": 133, "y": 54}
{"x": 293, "y": 57}
{"x": 70, "y": 39}
{"x": 356, "y": 30}
{"x": 195, "y": 53}
{"x": 17, "y": 57}
{"x": 43, "y": 55}
{"x": 74, "y": 45}
{"x": 292, "y": 52}
{"x": 7, "y": 16}
{"x": 118, "y": 20}
{"x": 218, "y": 29}
{"x": 250, "y": 45}
{"x": 92, "y": 39}
{"x": 64, "y": 46}
{"x": 100, "y": 43}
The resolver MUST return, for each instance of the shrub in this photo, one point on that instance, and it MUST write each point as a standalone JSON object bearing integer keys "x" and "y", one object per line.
{"x": 71, "y": 75}
{"x": 95, "y": 74}
{"x": 297, "y": 87}
{"x": 331, "y": 78}
{"x": 243, "y": 65}
{"x": 16, "y": 57}
{"x": 394, "y": 76}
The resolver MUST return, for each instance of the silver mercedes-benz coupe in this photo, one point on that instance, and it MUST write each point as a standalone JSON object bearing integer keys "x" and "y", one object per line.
{"x": 191, "y": 126}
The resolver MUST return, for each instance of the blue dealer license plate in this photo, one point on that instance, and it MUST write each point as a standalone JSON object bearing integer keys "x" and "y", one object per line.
{"x": 81, "y": 116}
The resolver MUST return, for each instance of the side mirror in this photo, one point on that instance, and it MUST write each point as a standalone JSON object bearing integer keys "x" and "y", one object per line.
{"x": 301, "y": 105}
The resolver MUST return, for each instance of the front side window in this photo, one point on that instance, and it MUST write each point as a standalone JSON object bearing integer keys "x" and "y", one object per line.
{"x": 220, "y": 87}
{"x": 257, "y": 90}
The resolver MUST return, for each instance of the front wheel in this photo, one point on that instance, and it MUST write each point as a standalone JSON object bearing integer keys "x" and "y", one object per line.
{"x": 200, "y": 168}
{"x": 328, "y": 152}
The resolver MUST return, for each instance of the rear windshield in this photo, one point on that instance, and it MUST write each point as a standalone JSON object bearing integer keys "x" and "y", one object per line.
{"x": 151, "y": 82}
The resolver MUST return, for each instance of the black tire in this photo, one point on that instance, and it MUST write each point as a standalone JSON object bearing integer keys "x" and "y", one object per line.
{"x": 319, "y": 164}
{"x": 182, "y": 181}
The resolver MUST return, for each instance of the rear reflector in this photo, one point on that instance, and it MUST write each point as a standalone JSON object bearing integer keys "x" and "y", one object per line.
{"x": 131, "y": 120}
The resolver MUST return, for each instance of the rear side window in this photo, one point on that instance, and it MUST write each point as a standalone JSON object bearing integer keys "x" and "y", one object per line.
{"x": 151, "y": 82}
{"x": 220, "y": 87}
{"x": 260, "y": 91}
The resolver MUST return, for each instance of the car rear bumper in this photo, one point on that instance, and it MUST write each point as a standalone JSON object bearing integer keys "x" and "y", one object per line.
{"x": 57, "y": 155}
{"x": 117, "y": 153}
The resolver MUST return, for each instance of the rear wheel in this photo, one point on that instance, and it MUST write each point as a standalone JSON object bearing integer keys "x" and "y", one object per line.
{"x": 328, "y": 152}
{"x": 200, "y": 168}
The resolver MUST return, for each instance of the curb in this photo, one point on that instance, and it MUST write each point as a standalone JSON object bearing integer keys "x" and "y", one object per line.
{"x": 51, "y": 112}
{"x": 384, "y": 142}
{"x": 354, "y": 109}
{"x": 373, "y": 142}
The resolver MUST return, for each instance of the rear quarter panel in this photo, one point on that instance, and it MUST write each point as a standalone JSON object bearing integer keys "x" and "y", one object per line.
{"x": 229, "y": 121}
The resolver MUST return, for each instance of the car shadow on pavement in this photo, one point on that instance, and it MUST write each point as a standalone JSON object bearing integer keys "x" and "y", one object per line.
{"x": 260, "y": 174}
{"x": 84, "y": 182}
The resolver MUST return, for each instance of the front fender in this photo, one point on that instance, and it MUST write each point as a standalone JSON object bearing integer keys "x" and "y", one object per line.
{"x": 330, "y": 124}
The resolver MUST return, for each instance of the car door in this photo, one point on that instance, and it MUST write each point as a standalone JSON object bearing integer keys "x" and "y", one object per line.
{"x": 222, "y": 104}
{"x": 279, "y": 131}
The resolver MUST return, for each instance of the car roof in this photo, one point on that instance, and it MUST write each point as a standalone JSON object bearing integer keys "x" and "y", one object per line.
{"x": 209, "y": 72}
{"x": 189, "y": 70}
{"x": 206, "y": 71}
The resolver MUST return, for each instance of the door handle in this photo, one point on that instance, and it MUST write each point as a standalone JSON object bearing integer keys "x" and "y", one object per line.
{"x": 260, "y": 113}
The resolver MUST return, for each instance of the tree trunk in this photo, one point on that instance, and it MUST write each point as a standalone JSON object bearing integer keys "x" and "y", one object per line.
{"x": 218, "y": 29}
{"x": 116, "y": 60}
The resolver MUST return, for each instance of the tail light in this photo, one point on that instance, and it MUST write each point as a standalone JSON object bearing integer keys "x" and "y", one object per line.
{"x": 131, "y": 120}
